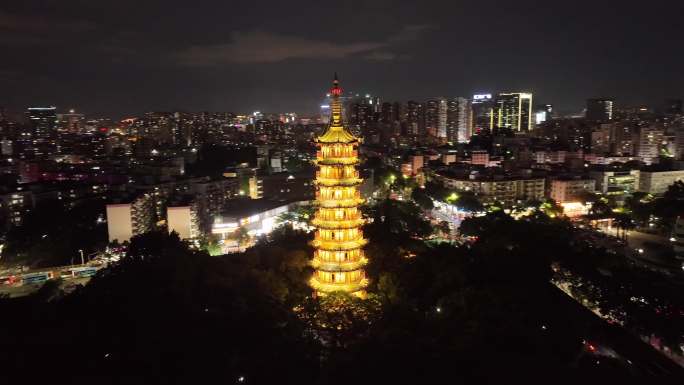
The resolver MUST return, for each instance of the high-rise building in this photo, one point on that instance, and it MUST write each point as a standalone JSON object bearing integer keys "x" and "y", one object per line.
{"x": 415, "y": 120}
{"x": 514, "y": 111}
{"x": 599, "y": 110}
{"x": 565, "y": 190}
{"x": 124, "y": 220}
{"x": 459, "y": 120}
{"x": 483, "y": 112}
{"x": 362, "y": 116}
{"x": 43, "y": 121}
{"x": 436, "y": 117}
{"x": 389, "y": 112}
{"x": 71, "y": 122}
{"x": 647, "y": 143}
{"x": 542, "y": 113}
{"x": 184, "y": 219}
{"x": 338, "y": 259}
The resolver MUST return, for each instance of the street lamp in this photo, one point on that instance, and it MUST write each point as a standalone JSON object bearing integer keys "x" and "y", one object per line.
{"x": 82, "y": 259}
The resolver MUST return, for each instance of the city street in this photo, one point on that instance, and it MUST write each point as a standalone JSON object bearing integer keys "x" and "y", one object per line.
{"x": 14, "y": 291}
{"x": 651, "y": 250}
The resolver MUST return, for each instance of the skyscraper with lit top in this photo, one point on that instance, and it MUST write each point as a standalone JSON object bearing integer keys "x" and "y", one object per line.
{"x": 339, "y": 259}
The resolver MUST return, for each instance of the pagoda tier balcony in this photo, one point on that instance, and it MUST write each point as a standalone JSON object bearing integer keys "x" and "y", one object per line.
{"x": 325, "y": 287}
{"x": 337, "y": 172}
{"x": 337, "y": 161}
{"x": 332, "y": 267}
{"x": 340, "y": 203}
{"x": 334, "y": 224}
{"x": 333, "y": 182}
{"x": 339, "y": 245}
{"x": 337, "y": 193}
{"x": 344, "y": 151}
{"x": 327, "y": 214}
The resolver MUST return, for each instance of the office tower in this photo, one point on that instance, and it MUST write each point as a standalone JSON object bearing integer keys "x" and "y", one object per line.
{"x": 71, "y": 122}
{"x": 459, "y": 120}
{"x": 389, "y": 112}
{"x": 542, "y": 113}
{"x": 338, "y": 259}
{"x": 414, "y": 118}
{"x": 361, "y": 115}
{"x": 622, "y": 138}
{"x": 647, "y": 143}
{"x": 436, "y": 117}
{"x": 389, "y": 120}
{"x": 483, "y": 112}
{"x": 599, "y": 110}
{"x": 514, "y": 111}
{"x": 324, "y": 113}
{"x": 43, "y": 121}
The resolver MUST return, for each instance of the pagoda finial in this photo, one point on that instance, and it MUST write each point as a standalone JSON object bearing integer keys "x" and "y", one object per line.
{"x": 336, "y": 90}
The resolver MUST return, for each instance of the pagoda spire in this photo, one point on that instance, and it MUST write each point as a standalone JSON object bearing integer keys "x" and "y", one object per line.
{"x": 336, "y": 104}
{"x": 336, "y": 132}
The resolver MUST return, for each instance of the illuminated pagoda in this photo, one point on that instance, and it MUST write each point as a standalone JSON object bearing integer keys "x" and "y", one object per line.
{"x": 339, "y": 258}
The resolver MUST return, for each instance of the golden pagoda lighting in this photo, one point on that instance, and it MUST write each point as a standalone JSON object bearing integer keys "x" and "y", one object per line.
{"x": 339, "y": 259}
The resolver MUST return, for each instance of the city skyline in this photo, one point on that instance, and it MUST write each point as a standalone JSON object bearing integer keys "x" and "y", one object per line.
{"x": 107, "y": 61}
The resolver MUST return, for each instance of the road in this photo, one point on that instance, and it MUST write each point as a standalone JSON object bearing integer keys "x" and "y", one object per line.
{"x": 14, "y": 291}
{"x": 641, "y": 357}
{"x": 651, "y": 251}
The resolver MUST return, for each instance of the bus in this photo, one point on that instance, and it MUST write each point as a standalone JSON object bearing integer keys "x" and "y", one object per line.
{"x": 80, "y": 272}
{"x": 33, "y": 278}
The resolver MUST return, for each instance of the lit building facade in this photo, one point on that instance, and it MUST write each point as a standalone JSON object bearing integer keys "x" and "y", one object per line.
{"x": 459, "y": 123}
{"x": 436, "y": 118}
{"x": 570, "y": 190}
{"x": 647, "y": 142}
{"x": 482, "y": 106}
{"x": 184, "y": 220}
{"x": 43, "y": 121}
{"x": 657, "y": 182}
{"x": 125, "y": 220}
{"x": 616, "y": 182}
{"x": 514, "y": 110}
{"x": 489, "y": 190}
{"x": 339, "y": 258}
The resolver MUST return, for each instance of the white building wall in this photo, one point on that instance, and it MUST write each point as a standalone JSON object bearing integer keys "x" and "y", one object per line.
{"x": 119, "y": 222}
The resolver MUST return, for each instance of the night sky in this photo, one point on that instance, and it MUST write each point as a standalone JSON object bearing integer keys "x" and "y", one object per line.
{"x": 123, "y": 57}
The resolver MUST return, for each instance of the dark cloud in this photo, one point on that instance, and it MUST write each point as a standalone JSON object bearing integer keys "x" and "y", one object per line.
{"x": 124, "y": 57}
{"x": 41, "y": 24}
{"x": 381, "y": 56}
{"x": 267, "y": 47}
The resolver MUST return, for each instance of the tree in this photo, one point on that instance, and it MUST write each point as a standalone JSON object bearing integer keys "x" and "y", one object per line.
{"x": 442, "y": 228}
{"x": 601, "y": 209}
{"x": 241, "y": 235}
{"x": 210, "y": 244}
{"x": 551, "y": 208}
{"x": 43, "y": 241}
{"x": 623, "y": 222}
{"x": 422, "y": 199}
{"x": 468, "y": 201}
{"x": 340, "y": 318}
